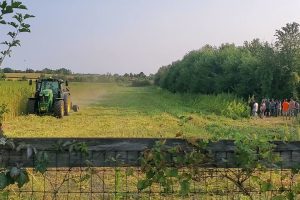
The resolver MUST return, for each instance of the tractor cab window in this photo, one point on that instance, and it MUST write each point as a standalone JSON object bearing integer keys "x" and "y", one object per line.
{"x": 38, "y": 86}
{"x": 53, "y": 85}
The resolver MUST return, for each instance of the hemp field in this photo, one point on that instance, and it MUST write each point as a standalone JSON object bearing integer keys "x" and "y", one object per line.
{"x": 111, "y": 110}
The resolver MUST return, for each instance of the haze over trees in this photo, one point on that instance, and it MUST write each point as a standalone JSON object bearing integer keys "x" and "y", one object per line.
{"x": 257, "y": 68}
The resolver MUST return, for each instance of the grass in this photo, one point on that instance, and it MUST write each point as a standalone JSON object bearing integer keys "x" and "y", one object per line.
{"x": 110, "y": 110}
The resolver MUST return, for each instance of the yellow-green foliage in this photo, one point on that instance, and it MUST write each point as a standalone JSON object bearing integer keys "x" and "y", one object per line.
{"x": 15, "y": 94}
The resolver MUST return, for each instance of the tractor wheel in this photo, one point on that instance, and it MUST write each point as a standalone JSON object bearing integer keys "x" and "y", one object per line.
{"x": 30, "y": 106}
{"x": 59, "y": 109}
{"x": 67, "y": 104}
{"x": 75, "y": 108}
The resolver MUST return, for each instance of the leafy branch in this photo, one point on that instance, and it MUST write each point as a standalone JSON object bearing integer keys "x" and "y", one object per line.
{"x": 10, "y": 175}
{"x": 16, "y": 23}
{"x": 164, "y": 166}
{"x": 182, "y": 166}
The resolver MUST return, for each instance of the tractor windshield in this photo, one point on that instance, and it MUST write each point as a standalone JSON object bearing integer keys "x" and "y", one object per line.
{"x": 53, "y": 85}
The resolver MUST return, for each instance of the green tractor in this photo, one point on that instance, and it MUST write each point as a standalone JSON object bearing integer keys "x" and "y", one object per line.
{"x": 51, "y": 97}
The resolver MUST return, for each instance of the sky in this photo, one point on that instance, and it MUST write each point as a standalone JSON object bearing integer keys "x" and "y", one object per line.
{"x": 119, "y": 36}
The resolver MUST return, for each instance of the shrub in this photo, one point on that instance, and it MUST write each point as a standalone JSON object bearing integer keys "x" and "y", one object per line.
{"x": 222, "y": 104}
{"x": 140, "y": 83}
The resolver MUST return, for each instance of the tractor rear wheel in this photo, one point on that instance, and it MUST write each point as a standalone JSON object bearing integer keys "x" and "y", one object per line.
{"x": 75, "y": 108}
{"x": 67, "y": 104}
{"x": 30, "y": 106}
{"x": 59, "y": 109}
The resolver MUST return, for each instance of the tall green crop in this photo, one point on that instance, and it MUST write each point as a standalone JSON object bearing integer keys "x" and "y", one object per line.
{"x": 14, "y": 94}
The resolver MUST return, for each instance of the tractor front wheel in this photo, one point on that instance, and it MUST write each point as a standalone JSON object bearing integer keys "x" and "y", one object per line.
{"x": 30, "y": 106}
{"x": 59, "y": 109}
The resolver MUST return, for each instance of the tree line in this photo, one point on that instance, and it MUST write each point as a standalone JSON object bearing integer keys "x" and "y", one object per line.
{"x": 78, "y": 76}
{"x": 256, "y": 68}
{"x": 138, "y": 79}
{"x": 63, "y": 71}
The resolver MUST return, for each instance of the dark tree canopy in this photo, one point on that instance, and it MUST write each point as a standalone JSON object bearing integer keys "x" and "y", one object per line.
{"x": 256, "y": 68}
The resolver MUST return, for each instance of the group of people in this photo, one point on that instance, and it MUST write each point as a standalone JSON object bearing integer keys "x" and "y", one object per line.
{"x": 267, "y": 108}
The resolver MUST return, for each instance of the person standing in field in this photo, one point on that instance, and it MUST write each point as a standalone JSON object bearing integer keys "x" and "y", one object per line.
{"x": 251, "y": 103}
{"x": 278, "y": 108}
{"x": 268, "y": 108}
{"x": 291, "y": 108}
{"x": 273, "y": 107}
{"x": 296, "y": 108}
{"x": 262, "y": 108}
{"x": 285, "y": 108}
{"x": 254, "y": 109}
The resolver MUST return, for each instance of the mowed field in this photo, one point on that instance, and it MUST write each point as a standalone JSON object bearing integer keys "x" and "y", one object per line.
{"x": 112, "y": 110}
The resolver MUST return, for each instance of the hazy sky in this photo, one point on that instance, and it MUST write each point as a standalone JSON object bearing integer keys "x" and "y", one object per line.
{"x": 118, "y": 36}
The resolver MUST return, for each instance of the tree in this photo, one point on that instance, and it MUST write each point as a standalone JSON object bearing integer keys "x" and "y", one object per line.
{"x": 63, "y": 71}
{"x": 47, "y": 71}
{"x": 160, "y": 76}
{"x": 288, "y": 47}
{"x": 28, "y": 70}
{"x": 8, "y": 70}
{"x": 266, "y": 74}
{"x": 256, "y": 68}
{"x": 15, "y": 24}
{"x": 141, "y": 75}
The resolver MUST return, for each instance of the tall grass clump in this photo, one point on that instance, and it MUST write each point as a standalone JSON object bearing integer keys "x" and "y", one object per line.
{"x": 14, "y": 95}
{"x": 227, "y": 105}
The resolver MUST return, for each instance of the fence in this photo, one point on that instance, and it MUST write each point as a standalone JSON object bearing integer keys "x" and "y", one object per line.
{"x": 111, "y": 169}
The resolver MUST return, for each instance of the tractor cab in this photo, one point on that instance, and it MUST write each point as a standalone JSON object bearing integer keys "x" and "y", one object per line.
{"x": 46, "y": 86}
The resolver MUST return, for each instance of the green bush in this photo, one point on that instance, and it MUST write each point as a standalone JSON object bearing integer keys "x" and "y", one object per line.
{"x": 140, "y": 83}
{"x": 222, "y": 104}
